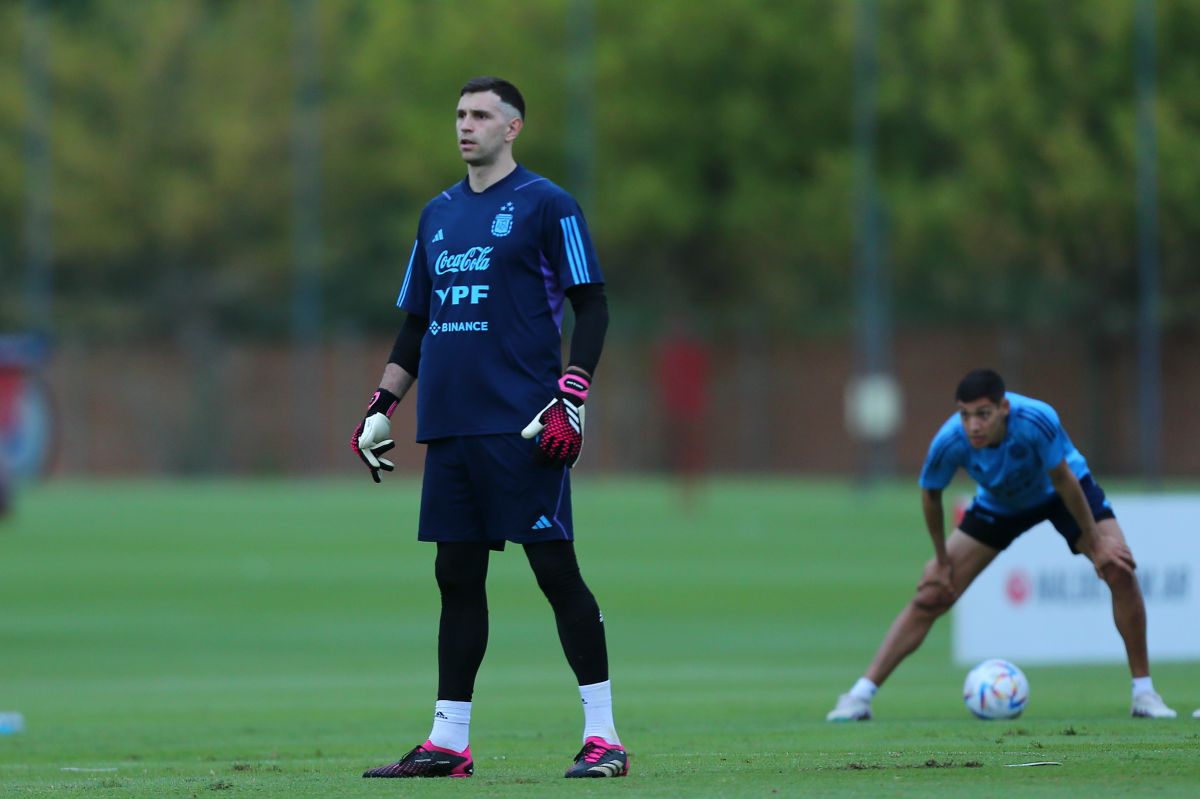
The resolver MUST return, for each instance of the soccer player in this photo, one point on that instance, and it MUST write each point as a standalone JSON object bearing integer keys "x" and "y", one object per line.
{"x": 495, "y": 256}
{"x": 1027, "y": 471}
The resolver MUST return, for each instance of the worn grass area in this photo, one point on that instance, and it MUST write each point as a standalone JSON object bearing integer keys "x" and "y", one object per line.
{"x": 276, "y": 638}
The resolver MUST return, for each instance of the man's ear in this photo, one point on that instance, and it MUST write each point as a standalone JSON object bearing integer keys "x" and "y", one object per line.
{"x": 514, "y": 128}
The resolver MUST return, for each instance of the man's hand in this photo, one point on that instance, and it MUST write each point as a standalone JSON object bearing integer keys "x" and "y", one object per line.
{"x": 558, "y": 427}
{"x": 939, "y": 576}
{"x": 372, "y": 437}
{"x": 1107, "y": 551}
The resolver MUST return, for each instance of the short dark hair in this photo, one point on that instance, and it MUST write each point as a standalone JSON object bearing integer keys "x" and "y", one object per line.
{"x": 503, "y": 89}
{"x": 980, "y": 383}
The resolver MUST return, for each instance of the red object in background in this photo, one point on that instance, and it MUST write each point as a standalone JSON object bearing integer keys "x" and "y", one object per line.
{"x": 27, "y": 419}
{"x": 682, "y": 370}
{"x": 11, "y": 380}
{"x": 10, "y": 387}
{"x": 1018, "y": 586}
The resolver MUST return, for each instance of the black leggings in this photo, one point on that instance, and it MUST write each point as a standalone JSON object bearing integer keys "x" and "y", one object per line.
{"x": 461, "y": 570}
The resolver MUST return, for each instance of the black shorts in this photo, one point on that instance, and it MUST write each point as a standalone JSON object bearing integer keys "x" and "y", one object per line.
{"x": 998, "y": 530}
{"x": 493, "y": 489}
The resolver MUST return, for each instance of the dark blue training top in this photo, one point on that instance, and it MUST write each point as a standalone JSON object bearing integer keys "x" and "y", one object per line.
{"x": 1012, "y": 476}
{"x": 490, "y": 270}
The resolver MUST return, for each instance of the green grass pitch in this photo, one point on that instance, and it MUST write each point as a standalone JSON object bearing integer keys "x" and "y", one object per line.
{"x": 273, "y": 639}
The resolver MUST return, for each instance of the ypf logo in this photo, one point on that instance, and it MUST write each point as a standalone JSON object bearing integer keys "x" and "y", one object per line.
{"x": 1018, "y": 587}
{"x": 503, "y": 223}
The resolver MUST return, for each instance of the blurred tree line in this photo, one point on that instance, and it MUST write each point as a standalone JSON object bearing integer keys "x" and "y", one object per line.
{"x": 722, "y": 154}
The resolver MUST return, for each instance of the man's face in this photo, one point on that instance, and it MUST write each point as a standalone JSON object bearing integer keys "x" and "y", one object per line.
{"x": 984, "y": 421}
{"x": 484, "y": 126}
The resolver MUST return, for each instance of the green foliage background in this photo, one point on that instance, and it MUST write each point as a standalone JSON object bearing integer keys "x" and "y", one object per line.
{"x": 722, "y": 154}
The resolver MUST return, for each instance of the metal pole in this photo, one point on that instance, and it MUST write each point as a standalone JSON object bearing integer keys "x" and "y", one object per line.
{"x": 581, "y": 134}
{"x": 873, "y": 359}
{"x": 1149, "y": 282}
{"x": 306, "y": 233}
{"x": 38, "y": 231}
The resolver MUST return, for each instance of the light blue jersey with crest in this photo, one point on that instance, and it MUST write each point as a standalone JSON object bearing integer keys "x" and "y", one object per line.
{"x": 1011, "y": 476}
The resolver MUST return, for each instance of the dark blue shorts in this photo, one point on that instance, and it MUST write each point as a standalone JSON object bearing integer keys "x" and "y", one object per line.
{"x": 998, "y": 530}
{"x": 491, "y": 489}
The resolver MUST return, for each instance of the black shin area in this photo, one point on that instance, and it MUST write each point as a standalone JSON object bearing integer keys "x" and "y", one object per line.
{"x": 461, "y": 570}
{"x": 580, "y": 626}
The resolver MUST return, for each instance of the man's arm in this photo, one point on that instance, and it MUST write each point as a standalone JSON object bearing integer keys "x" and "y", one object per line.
{"x": 397, "y": 380}
{"x": 590, "y": 304}
{"x": 405, "y": 359}
{"x": 935, "y": 521}
{"x": 558, "y": 427}
{"x": 401, "y": 370}
{"x": 1068, "y": 488}
{"x": 372, "y": 437}
{"x": 941, "y": 571}
{"x": 1102, "y": 551}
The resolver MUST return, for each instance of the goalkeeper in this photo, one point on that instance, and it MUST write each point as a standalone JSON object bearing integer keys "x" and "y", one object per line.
{"x": 496, "y": 257}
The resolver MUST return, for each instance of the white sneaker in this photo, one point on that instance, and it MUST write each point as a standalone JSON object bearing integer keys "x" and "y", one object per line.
{"x": 1196, "y": 714}
{"x": 1149, "y": 705}
{"x": 850, "y": 708}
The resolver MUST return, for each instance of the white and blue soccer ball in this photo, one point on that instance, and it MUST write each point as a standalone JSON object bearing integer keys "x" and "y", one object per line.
{"x": 996, "y": 689}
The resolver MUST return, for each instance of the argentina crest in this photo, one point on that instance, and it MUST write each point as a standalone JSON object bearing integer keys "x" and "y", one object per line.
{"x": 503, "y": 223}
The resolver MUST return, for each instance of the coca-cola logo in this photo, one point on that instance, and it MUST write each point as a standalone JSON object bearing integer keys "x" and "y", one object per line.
{"x": 473, "y": 260}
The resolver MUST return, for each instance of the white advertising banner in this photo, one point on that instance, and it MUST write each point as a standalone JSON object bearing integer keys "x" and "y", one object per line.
{"x": 1038, "y": 603}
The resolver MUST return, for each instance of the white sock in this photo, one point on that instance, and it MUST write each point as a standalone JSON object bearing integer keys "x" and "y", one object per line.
{"x": 1142, "y": 685}
{"x": 451, "y": 725}
{"x": 864, "y": 689}
{"x": 597, "y": 712}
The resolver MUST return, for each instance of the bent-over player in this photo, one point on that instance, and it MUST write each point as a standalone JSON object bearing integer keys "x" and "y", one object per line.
{"x": 1027, "y": 471}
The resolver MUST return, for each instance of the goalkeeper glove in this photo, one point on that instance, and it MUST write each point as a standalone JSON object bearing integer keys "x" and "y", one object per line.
{"x": 372, "y": 437}
{"x": 558, "y": 427}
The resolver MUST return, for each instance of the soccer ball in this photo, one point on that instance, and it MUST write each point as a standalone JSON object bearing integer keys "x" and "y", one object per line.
{"x": 996, "y": 689}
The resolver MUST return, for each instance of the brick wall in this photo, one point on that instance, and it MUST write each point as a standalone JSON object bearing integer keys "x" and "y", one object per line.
{"x": 775, "y": 405}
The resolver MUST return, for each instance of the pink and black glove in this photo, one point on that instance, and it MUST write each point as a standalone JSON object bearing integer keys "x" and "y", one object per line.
{"x": 558, "y": 428}
{"x": 373, "y": 436}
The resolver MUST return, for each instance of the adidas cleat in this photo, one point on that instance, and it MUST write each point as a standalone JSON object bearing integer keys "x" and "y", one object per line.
{"x": 1149, "y": 705}
{"x": 850, "y": 708}
{"x": 428, "y": 760}
{"x": 599, "y": 758}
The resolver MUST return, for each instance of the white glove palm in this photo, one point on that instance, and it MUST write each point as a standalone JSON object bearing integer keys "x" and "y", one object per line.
{"x": 377, "y": 432}
{"x": 373, "y": 438}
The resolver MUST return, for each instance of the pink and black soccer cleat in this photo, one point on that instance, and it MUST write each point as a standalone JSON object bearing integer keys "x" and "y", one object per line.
{"x": 599, "y": 758}
{"x": 428, "y": 760}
